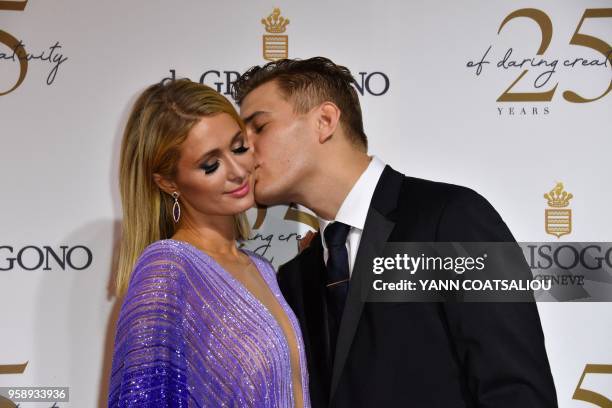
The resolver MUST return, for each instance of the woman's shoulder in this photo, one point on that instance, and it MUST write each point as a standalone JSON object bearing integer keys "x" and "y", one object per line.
{"x": 165, "y": 259}
{"x": 154, "y": 304}
{"x": 166, "y": 248}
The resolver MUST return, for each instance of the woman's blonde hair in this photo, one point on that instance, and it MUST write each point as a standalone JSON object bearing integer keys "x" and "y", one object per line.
{"x": 159, "y": 122}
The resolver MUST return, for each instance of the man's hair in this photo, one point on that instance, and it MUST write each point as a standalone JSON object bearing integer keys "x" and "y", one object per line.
{"x": 307, "y": 83}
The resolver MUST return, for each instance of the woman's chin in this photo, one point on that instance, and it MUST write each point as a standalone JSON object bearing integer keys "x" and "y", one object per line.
{"x": 245, "y": 203}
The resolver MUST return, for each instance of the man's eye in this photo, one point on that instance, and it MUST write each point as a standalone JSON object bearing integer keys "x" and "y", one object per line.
{"x": 241, "y": 149}
{"x": 210, "y": 168}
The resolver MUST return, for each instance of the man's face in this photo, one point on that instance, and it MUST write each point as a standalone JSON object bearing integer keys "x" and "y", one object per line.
{"x": 283, "y": 143}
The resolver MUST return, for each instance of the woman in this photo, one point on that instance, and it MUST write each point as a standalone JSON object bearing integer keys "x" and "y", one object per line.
{"x": 203, "y": 323}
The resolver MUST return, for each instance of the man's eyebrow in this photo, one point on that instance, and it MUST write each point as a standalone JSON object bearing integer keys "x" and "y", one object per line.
{"x": 250, "y": 118}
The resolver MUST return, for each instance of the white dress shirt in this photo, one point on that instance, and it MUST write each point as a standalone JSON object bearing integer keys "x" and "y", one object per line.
{"x": 354, "y": 210}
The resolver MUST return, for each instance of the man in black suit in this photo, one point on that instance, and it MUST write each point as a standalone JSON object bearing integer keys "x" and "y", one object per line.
{"x": 304, "y": 120}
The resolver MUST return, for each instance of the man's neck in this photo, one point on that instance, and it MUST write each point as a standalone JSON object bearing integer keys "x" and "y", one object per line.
{"x": 327, "y": 189}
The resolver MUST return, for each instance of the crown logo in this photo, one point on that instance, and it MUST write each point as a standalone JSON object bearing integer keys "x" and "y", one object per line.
{"x": 558, "y": 197}
{"x": 275, "y": 23}
{"x": 275, "y": 44}
{"x": 558, "y": 219}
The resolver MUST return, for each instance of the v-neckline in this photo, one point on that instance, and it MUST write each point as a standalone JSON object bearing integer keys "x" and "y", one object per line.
{"x": 234, "y": 280}
{"x": 239, "y": 284}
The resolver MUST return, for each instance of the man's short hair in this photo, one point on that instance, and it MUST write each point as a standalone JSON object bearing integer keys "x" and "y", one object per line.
{"x": 307, "y": 83}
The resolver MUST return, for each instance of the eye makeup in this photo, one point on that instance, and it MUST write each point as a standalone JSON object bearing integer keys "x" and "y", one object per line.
{"x": 210, "y": 168}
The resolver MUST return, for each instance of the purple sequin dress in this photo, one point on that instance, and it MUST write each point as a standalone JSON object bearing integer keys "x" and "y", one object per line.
{"x": 190, "y": 335}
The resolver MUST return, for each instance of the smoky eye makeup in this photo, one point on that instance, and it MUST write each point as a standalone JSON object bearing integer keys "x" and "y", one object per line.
{"x": 209, "y": 167}
{"x": 241, "y": 147}
{"x": 211, "y": 164}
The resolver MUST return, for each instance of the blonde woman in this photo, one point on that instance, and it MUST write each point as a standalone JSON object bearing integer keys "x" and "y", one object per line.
{"x": 203, "y": 323}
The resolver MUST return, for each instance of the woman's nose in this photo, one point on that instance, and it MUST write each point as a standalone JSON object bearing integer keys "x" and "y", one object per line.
{"x": 236, "y": 170}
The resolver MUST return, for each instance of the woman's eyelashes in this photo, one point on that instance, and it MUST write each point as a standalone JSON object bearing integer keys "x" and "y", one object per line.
{"x": 211, "y": 167}
{"x": 240, "y": 149}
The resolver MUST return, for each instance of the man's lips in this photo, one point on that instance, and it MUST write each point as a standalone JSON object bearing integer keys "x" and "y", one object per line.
{"x": 240, "y": 191}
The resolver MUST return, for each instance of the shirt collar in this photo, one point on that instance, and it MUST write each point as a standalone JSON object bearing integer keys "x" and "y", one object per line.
{"x": 354, "y": 208}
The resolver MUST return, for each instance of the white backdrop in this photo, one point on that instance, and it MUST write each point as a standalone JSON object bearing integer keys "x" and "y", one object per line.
{"x": 436, "y": 119}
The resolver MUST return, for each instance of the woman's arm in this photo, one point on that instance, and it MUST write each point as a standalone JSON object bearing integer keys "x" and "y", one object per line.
{"x": 149, "y": 366}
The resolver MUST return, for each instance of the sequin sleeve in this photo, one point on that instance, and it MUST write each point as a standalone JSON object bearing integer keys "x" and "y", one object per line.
{"x": 149, "y": 367}
{"x": 191, "y": 335}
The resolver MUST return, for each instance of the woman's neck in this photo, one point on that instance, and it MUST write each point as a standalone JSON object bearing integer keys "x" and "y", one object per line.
{"x": 216, "y": 238}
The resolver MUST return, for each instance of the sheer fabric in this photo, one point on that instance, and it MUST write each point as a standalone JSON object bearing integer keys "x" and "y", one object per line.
{"x": 190, "y": 335}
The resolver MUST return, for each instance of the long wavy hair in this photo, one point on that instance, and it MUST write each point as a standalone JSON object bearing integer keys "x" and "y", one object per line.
{"x": 159, "y": 122}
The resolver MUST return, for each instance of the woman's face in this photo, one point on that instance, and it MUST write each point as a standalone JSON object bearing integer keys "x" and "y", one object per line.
{"x": 214, "y": 171}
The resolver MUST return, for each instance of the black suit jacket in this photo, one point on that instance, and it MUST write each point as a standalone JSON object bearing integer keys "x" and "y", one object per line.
{"x": 430, "y": 355}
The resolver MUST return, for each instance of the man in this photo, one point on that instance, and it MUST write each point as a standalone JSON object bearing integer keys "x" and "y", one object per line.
{"x": 305, "y": 122}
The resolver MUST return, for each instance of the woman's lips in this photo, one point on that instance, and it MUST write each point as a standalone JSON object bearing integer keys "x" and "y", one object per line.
{"x": 240, "y": 191}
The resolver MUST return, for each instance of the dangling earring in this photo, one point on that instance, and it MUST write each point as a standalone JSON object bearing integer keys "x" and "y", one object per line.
{"x": 176, "y": 208}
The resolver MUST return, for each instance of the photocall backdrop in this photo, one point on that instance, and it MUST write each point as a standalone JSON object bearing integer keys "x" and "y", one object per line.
{"x": 510, "y": 98}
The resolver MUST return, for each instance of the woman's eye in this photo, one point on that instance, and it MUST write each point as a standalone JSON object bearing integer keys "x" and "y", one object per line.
{"x": 258, "y": 129}
{"x": 241, "y": 149}
{"x": 210, "y": 168}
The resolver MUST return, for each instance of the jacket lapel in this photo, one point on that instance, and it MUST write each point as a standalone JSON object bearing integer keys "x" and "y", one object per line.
{"x": 376, "y": 231}
{"x": 315, "y": 305}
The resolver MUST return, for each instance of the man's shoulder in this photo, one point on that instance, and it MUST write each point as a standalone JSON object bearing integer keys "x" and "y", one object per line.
{"x": 457, "y": 213}
{"x": 308, "y": 254}
{"x": 443, "y": 211}
{"x": 436, "y": 193}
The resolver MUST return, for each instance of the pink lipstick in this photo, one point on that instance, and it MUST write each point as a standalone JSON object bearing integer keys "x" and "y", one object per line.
{"x": 240, "y": 191}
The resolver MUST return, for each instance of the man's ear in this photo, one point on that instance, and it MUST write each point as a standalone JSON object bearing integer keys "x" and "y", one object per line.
{"x": 327, "y": 120}
{"x": 166, "y": 185}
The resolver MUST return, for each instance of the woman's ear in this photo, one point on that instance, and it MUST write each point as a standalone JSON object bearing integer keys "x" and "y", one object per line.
{"x": 327, "y": 120}
{"x": 166, "y": 185}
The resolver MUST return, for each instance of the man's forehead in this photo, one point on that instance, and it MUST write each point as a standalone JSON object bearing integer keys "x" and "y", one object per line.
{"x": 259, "y": 100}
{"x": 263, "y": 92}
{"x": 250, "y": 117}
